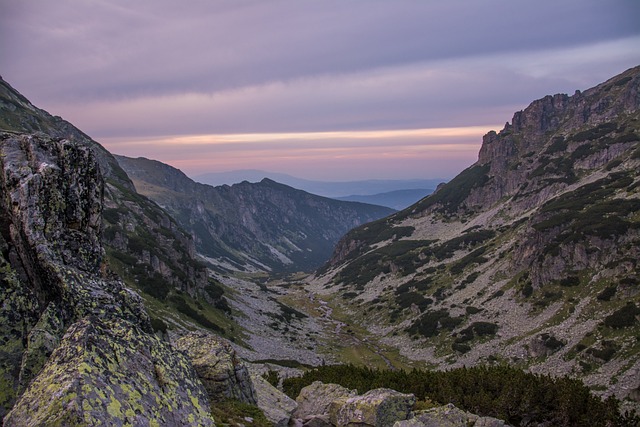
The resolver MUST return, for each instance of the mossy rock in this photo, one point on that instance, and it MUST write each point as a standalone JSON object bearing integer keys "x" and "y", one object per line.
{"x": 110, "y": 372}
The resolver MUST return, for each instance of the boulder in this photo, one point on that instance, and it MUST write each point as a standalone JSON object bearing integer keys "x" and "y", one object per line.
{"x": 110, "y": 372}
{"x": 218, "y": 367}
{"x": 275, "y": 405}
{"x": 315, "y": 399}
{"x": 378, "y": 408}
{"x": 449, "y": 416}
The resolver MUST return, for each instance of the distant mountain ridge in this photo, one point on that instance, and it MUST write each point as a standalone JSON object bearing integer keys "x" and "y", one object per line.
{"x": 529, "y": 257}
{"x": 398, "y": 199}
{"x": 264, "y": 226}
{"x": 321, "y": 188}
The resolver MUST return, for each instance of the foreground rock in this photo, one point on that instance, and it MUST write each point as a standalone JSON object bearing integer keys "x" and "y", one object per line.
{"x": 315, "y": 400}
{"x": 449, "y": 416}
{"x": 110, "y": 372}
{"x": 276, "y": 406}
{"x": 379, "y": 408}
{"x": 220, "y": 370}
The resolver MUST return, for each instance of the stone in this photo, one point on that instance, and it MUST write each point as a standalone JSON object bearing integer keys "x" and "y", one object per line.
{"x": 275, "y": 405}
{"x": 378, "y": 408}
{"x": 317, "y": 421}
{"x": 111, "y": 372}
{"x": 443, "y": 416}
{"x": 222, "y": 373}
{"x": 316, "y": 398}
{"x": 450, "y": 416}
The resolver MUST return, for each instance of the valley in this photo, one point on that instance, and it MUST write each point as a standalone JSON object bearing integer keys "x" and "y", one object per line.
{"x": 528, "y": 259}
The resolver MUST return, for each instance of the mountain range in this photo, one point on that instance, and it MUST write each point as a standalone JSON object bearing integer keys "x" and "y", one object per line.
{"x": 264, "y": 226}
{"x": 331, "y": 189}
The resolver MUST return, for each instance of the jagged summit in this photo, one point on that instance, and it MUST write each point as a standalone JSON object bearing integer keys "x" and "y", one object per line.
{"x": 529, "y": 256}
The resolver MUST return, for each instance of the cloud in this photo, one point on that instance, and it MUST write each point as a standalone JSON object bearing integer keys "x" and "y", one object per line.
{"x": 140, "y": 71}
{"x": 348, "y": 154}
{"x": 114, "y": 50}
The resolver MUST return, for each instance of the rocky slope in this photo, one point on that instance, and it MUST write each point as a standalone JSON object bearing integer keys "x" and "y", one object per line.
{"x": 529, "y": 256}
{"x": 251, "y": 226}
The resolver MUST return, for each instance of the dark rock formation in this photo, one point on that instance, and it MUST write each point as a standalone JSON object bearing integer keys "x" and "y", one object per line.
{"x": 77, "y": 347}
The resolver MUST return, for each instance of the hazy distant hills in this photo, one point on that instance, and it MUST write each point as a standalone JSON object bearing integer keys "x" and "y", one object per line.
{"x": 529, "y": 257}
{"x": 398, "y": 199}
{"x": 322, "y": 188}
{"x": 264, "y": 226}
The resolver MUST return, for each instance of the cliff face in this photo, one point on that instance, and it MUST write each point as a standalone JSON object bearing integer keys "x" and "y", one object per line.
{"x": 263, "y": 226}
{"x": 74, "y": 337}
{"x": 529, "y": 256}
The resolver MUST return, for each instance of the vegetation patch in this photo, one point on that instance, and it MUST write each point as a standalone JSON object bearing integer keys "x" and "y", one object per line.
{"x": 500, "y": 391}
{"x": 430, "y": 323}
{"x": 606, "y": 351}
{"x": 607, "y": 293}
{"x": 235, "y": 412}
{"x": 623, "y": 317}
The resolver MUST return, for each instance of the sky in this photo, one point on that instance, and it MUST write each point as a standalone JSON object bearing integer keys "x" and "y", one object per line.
{"x": 320, "y": 89}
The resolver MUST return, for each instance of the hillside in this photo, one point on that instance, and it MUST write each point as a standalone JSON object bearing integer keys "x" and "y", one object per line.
{"x": 264, "y": 226}
{"x": 528, "y": 257}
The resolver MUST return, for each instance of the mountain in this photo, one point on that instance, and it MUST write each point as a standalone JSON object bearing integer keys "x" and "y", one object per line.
{"x": 528, "y": 257}
{"x": 321, "y": 188}
{"x": 251, "y": 226}
{"x": 398, "y": 199}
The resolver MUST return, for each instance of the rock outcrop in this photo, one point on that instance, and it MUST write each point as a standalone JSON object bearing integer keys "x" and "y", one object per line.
{"x": 377, "y": 408}
{"x": 315, "y": 399}
{"x": 78, "y": 347}
{"x": 222, "y": 373}
{"x": 110, "y": 372}
{"x": 448, "y": 416}
{"x": 143, "y": 243}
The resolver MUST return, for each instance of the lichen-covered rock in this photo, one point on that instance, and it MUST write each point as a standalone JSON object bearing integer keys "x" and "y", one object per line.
{"x": 222, "y": 373}
{"x": 449, "y": 416}
{"x": 77, "y": 347}
{"x": 379, "y": 408}
{"x": 110, "y": 372}
{"x": 315, "y": 399}
{"x": 277, "y": 406}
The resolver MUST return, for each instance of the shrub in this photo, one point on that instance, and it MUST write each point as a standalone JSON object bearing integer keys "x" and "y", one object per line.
{"x": 607, "y": 293}
{"x": 570, "y": 281}
{"x": 158, "y": 325}
{"x": 623, "y": 317}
